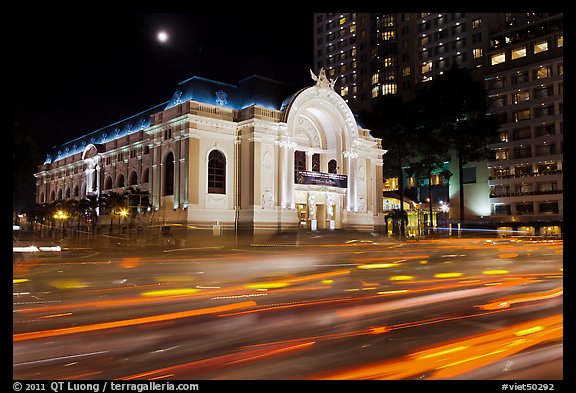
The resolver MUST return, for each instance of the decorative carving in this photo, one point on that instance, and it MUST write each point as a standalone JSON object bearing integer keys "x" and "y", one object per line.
{"x": 267, "y": 161}
{"x": 321, "y": 80}
{"x": 362, "y": 204}
{"x": 312, "y": 206}
{"x": 267, "y": 199}
{"x": 176, "y": 98}
{"x": 361, "y": 173}
{"x": 330, "y": 206}
{"x": 221, "y": 97}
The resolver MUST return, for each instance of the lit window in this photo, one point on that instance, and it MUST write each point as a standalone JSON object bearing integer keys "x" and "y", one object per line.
{"x": 543, "y": 72}
{"x": 375, "y": 78}
{"x": 502, "y": 154}
{"x": 387, "y": 62}
{"x": 344, "y": 91}
{"x": 342, "y": 21}
{"x": 477, "y": 53}
{"x": 426, "y": 79}
{"x": 518, "y": 53}
{"x": 406, "y": 71}
{"x": 375, "y": 91}
{"x": 476, "y": 23}
{"x": 521, "y": 96}
{"x": 331, "y": 72}
{"x": 560, "y": 41}
{"x": 540, "y": 46}
{"x": 498, "y": 58}
{"x": 522, "y": 115}
{"x": 387, "y": 35}
{"x": 216, "y": 173}
{"x": 427, "y": 67}
{"x": 389, "y": 88}
{"x": 352, "y": 28}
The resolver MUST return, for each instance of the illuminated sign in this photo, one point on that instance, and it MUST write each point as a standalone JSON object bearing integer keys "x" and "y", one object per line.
{"x": 321, "y": 179}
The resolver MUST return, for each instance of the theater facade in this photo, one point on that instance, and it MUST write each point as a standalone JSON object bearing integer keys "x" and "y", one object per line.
{"x": 250, "y": 157}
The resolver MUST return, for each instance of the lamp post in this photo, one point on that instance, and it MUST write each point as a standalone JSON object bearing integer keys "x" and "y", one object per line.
{"x": 61, "y": 216}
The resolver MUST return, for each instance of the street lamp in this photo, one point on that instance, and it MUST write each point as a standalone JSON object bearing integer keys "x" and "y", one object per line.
{"x": 61, "y": 216}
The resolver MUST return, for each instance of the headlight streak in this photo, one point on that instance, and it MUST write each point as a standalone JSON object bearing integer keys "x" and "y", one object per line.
{"x": 456, "y": 358}
{"x": 130, "y": 322}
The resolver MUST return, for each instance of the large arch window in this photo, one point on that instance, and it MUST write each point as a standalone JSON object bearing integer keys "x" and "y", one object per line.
{"x": 108, "y": 183}
{"x": 76, "y": 191}
{"x": 52, "y": 196}
{"x": 169, "y": 174}
{"x": 216, "y": 173}
{"x": 120, "y": 181}
{"x": 133, "y": 180}
{"x": 145, "y": 176}
{"x": 67, "y": 193}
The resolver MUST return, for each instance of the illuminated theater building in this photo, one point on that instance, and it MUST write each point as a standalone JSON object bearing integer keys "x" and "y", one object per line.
{"x": 243, "y": 157}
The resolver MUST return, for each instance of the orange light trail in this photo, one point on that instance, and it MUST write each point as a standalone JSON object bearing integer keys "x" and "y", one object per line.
{"x": 129, "y": 322}
{"x": 458, "y": 357}
{"x": 221, "y": 361}
{"x": 506, "y": 302}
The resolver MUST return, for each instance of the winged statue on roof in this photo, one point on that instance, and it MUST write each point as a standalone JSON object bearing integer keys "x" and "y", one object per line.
{"x": 321, "y": 79}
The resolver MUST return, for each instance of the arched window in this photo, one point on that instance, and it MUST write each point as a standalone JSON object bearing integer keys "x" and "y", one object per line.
{"x": 145, "y": 175}
{"x": 332, "y": 166}
{"x": 169, "y": 174}
{"x": 108, "y": 183}
{"x": 67, "y": 193}
{"x": 42, "y": 198}
{"x": 52, "y": 196}
{"x": 133, "y": 181}
{"x": 76, "y": 191}
{"x": 120, "y": 181}
{"x": 216, "y": 173}
{"x": 60, "y": 194}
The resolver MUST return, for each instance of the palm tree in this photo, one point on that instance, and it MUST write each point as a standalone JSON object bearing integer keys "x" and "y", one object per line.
{"x": 399, "y": 219}
{"x": 459, "y": 110}
{"x": 392, "y": 120}
{"x": 114, "y": 201}
{"x": 89, "y": 206}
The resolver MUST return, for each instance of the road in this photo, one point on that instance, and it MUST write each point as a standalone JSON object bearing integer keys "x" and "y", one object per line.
{"x": 321, "y": 307}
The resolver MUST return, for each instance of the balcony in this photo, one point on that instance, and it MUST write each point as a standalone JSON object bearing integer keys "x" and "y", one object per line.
{"x": 517, "y": 175}
{"x": 527, "y": 193}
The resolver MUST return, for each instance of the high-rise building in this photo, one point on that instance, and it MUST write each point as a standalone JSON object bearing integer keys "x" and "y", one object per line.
{"x": 525, "y": 85}
{"x": 517, "y": 55}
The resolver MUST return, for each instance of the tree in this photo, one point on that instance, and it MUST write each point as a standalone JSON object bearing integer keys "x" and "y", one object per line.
{"x": 459, "y": 109}
{"x": 89, "y": 206}
{"x": 114, "y": 201}
{"x": 390, "y": 120}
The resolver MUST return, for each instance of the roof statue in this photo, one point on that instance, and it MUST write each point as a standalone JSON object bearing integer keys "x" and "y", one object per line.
{"x": 321, "y": 79}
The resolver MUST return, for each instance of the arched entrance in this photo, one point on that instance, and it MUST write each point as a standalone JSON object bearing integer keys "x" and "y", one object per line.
{"x": 326, "y": 181}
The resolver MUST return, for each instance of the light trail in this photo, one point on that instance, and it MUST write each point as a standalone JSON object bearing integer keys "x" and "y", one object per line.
{"x": 129, "y": 322}
{"x": 457, "y": 357}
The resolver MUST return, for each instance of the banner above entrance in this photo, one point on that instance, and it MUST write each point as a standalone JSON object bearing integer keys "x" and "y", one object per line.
{"x": 321, "y": 179}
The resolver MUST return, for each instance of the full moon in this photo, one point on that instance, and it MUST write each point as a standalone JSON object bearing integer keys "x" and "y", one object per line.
{"x": 162, "y": 36}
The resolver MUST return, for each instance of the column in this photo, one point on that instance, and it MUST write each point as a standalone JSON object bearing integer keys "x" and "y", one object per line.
{"x": 176, "y": 203}
{"x": 155, "y": 186}
{"x": 309, "y": 155}
{"x": 290, "y": 203}
{"x": 184, "y": 175}
{"x": 281, "y": 173}
{"x": 351, "y": 192}
{"x": 98, "y": 177}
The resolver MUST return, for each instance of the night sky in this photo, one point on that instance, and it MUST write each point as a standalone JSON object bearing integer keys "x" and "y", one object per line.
{"x": 73, "y": 73}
